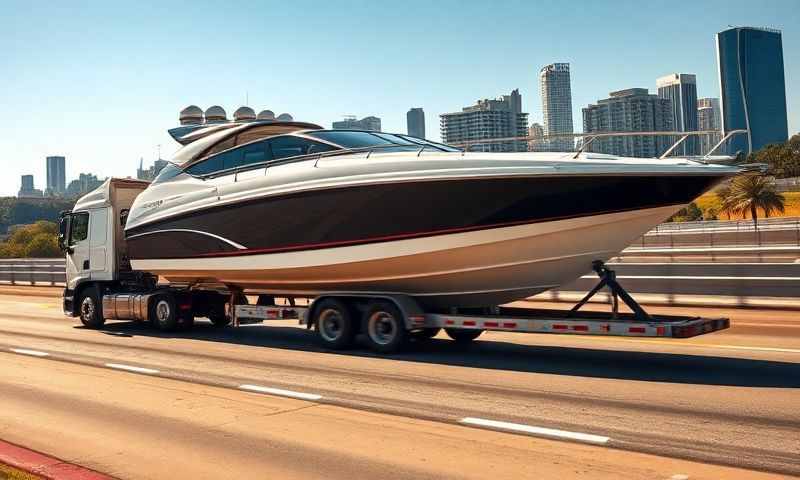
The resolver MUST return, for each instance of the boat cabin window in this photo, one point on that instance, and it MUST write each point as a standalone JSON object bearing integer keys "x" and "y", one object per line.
{"x": 291, "y": 146}
{"x": 351, "y": 139}
{"x": 258, "y": 152}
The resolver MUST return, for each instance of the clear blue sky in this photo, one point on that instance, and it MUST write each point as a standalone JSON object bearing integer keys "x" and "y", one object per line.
{"x": 100, "y": 82}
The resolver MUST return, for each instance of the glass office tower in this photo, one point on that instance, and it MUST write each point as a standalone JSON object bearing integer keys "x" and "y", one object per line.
{"x": 752, "y": 87}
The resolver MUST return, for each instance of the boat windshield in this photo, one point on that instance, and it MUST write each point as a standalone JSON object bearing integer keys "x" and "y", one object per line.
{"x": 169, "y": 171}
{"x": 353, "y": 139}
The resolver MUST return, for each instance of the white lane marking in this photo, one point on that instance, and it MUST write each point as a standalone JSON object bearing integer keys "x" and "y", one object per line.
{"x": 281, "y": 392}
{"x": 545, "y": 432}
{"x": 130, "y": 368}
{"x": 33, "y": 353}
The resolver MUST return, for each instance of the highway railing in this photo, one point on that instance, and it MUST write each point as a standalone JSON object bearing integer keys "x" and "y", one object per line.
{"x": 33, "y": 271}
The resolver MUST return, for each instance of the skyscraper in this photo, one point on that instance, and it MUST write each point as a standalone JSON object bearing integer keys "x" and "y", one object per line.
{"x": 631, "y": 110}
{"x": 366, "y": 123}
{"x": 56, "y": 175}
{"x": 27, "y": 189}
{"x": 487, "y": 120}
{"x": 415, "y": 122}
{"x": 752, "y": 87}
{"x": 681, "y": 89}
{"x": 708, "y": 118}
{"x": 554, "y": 84}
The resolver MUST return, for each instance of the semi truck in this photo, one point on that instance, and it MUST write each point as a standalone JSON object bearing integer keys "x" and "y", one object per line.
{"x": 102, "y": 285}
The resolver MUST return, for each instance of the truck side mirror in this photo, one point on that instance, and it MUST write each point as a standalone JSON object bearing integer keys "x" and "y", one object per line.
{"x": 63, "y": 232}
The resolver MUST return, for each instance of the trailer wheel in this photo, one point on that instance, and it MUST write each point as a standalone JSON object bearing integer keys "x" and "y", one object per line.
{"x": 218, "y": 317}
{"x": 463, "y": 336}
{"x": 164, "y": 312}
{"x": 385, "y": 327}
{"x": 90, "y": 307}
{"x": 334, "y": 324}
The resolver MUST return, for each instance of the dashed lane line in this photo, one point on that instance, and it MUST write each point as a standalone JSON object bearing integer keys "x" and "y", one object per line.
{"x": 538, "y": 431}
{"x": 131, "y": 368}
{"x": 33, "y": 353}
{"x": 280, "y": 392}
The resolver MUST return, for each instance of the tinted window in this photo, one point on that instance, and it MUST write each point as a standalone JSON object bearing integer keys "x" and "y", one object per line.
{"x": 167, "y": 173}
{"x": 256, "y": 153}
{"x": 350, "y": 139}
{"x": 79, "y": 228}
{"x": 395, "y": 139}
{"x": 231, "y": 158}
{"x": 209, "y": 165}
{"x": 290, "y": 146}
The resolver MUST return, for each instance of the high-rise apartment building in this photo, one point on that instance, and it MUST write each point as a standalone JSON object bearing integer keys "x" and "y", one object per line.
{"x": 415, "y": 122}
{"x": 486, "y": 120}
{"x": 56, "y": 176}
{"x": 351, "y": 123}
{"x": 554, "y": 84}
{"x": 631, "y": 110}
{"x": 708, "y": 118}
{"x": 752, "y": 87}
{"x": 681, "y": 90}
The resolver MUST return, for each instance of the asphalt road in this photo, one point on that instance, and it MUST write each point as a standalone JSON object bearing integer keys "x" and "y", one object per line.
{"x": 632, "y": 408}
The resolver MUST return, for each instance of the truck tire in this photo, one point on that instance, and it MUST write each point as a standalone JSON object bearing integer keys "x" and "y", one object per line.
{"x": 334, "y": 324}
{"x": 463, "y": 336}
{"x": 385, "y": 327}
{"x": 164, "y": 312}
{"x": 90, "y": 307}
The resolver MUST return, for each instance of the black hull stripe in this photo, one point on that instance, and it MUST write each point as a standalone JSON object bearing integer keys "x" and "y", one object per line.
{"x": 403, "y": 236}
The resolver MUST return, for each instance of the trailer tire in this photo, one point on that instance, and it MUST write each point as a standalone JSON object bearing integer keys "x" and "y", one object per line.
{"x": 164, "y": 312}
{"x": 463, "y": 336}
{"x": 90, "y": 307}
{"x": 385, "y": 327}
{"x": 218, "y": 318}
{"x": 334, "y": 324}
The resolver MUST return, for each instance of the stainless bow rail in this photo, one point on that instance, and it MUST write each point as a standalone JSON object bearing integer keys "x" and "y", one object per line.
{"x": 590, "y": 137}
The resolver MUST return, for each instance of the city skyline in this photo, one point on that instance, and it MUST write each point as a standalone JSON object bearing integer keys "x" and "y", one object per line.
{"x": 104, "y": 104}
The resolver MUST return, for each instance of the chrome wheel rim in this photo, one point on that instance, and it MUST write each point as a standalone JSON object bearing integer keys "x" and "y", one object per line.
{"x": 87, "y": 308}
{"x": 382, "y": 327}
{"x": 162, "y": 311}
{"x": 330, "y": 324}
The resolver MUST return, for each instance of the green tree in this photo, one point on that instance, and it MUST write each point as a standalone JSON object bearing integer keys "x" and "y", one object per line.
{"x": 723, "y": 193}
{"x": 751, "y": 192}
{"x": 783, "y": 158}
{"x": 43, "y": 245}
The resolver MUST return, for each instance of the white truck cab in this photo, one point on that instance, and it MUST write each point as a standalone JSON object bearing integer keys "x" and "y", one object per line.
{"x": 92, "y": 238}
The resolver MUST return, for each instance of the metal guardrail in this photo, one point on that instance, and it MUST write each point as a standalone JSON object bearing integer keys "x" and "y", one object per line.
{"x": 738, "y": 225}
{"x": 33, "y": 271}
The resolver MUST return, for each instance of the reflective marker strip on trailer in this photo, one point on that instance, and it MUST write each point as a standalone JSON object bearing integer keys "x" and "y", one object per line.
{"x": 676, "y": 328}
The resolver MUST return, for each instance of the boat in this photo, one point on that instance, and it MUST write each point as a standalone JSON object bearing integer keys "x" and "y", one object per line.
{"x": 286, "y": 207}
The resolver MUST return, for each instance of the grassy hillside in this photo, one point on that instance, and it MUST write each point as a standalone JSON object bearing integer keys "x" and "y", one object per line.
{"x": 710, "y": 200}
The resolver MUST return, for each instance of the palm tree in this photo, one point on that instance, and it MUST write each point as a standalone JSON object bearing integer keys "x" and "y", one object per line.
{"x": 750, "y": 192}
{"x": 723, "y": 193}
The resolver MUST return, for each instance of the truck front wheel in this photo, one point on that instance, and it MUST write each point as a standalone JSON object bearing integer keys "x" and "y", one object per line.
{"x": 90, "y": 306}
